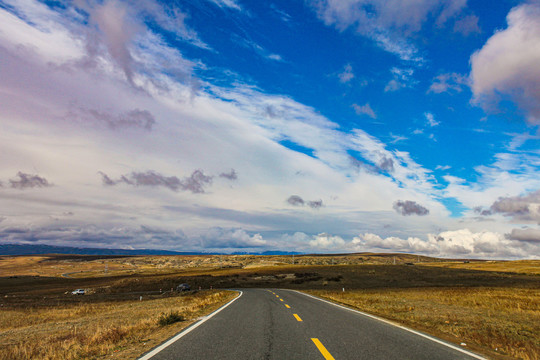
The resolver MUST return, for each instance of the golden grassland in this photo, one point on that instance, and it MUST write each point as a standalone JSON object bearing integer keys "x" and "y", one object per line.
{"x": 518, "y": 266}
{"x": 495, "y": 321}
{"x": 122, "y": 330}
{"x": 492, "y": 306}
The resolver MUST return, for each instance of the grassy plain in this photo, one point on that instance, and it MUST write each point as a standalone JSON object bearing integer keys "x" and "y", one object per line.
{"x": 86, "y": 330}
{"x": 493, "y": 307}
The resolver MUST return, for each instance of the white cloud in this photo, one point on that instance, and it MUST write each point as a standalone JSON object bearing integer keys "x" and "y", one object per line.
{"x": 388, "y": 23}
{"x": 231, "y": 4}
{"x": 431, "y": 119}
{"x": 402, "y": 78}
{"x": 461, "y": 243}
{"x": 65, "y": 115}
{"x": 325, "y": 241}
{"x": 230, "y": 238}
{"x": 364, "y": 110}
{"x": 178, "y": 129}
{"x": 259, "y": 50}
{"x": 443, "y": 167}
{"x": 507, "y": 65}
{"x": 448, "y": 82}
{"x": 347, "y": 74}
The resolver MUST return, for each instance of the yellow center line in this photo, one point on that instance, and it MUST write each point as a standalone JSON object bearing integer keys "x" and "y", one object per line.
{"x": 277, "y": 296}
{"x": 297, "y": 317}
{"x": 287, "y": 306}
{"x": 322, "y": 349}
{"x": 280, "y": 299}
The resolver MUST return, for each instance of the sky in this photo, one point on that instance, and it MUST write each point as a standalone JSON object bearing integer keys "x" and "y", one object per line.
{"x": 316, "y": 126}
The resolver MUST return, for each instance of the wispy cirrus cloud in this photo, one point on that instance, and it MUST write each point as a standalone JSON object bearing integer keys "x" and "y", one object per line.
{"x": 448, "y": 83}
{"x": 364, "y": 110}
{"x": 387, "y": 24}
{"x": 401, "y": 78}
{"x": 467, "y": 25}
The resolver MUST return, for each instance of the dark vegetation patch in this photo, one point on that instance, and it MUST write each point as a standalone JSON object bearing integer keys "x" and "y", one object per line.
{"x": 170, "y": 318}
{"x": 32, "y": 291}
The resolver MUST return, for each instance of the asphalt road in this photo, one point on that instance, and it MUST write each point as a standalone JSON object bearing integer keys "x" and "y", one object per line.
{"x": 284, "y": 324}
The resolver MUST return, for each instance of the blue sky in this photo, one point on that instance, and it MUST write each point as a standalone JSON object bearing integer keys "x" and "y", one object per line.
{"x": 316, "y": 126}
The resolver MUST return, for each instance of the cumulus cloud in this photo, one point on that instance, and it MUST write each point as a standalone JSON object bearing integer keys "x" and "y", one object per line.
{"x": 412, "y": 244}
{"x": 409, "y": 207}
{"x": 347, "y": 74}
{"x": 327, "y": 242}
{"x": 525, "y": 208}
{"x": 453, "y": 243}
{"x": 364, "y": 110}
{"x": 506, "y": 67}
{"x": 218, "y": 237}
{"x": 195, "y": 183}
{"x": 25, "y": 181}
{"x": 527, "y": 235}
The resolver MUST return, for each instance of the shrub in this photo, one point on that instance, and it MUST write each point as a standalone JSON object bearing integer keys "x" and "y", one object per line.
{"x": 170, "y": 318}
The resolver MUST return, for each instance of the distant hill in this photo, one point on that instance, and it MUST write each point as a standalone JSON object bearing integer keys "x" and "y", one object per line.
{"x": 25, "y": 249}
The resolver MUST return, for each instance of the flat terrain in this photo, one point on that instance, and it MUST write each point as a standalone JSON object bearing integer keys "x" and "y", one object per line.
{"x": 493, "y": 307}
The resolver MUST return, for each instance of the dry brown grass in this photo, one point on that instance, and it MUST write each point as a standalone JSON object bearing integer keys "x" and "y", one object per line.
{"x": 495, "y": 321}
{"x": 519, "y": 266}
{"x": 87, "y": 331}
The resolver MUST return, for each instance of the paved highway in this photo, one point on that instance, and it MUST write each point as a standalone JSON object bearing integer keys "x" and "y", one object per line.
{"x": 284, "y": 324}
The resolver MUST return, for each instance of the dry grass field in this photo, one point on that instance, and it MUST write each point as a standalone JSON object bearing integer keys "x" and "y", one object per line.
{"x": 116, "y": 329}
{"x": 520, "y": 267}
{"x": 493, "y": 307}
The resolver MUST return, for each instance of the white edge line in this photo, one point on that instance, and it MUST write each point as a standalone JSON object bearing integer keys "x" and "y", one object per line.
{"x": 396, "y": 325}
{"x": 187, "y": 330}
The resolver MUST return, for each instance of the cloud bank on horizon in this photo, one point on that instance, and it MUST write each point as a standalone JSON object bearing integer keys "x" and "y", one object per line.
{"x": 315, "y": 126}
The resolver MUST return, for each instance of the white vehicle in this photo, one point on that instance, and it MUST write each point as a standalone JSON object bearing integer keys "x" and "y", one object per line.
{"x": 78, "y": 292}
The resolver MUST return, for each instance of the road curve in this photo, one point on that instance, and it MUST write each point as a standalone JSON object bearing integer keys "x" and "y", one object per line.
{"x": 284, "y": 324}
